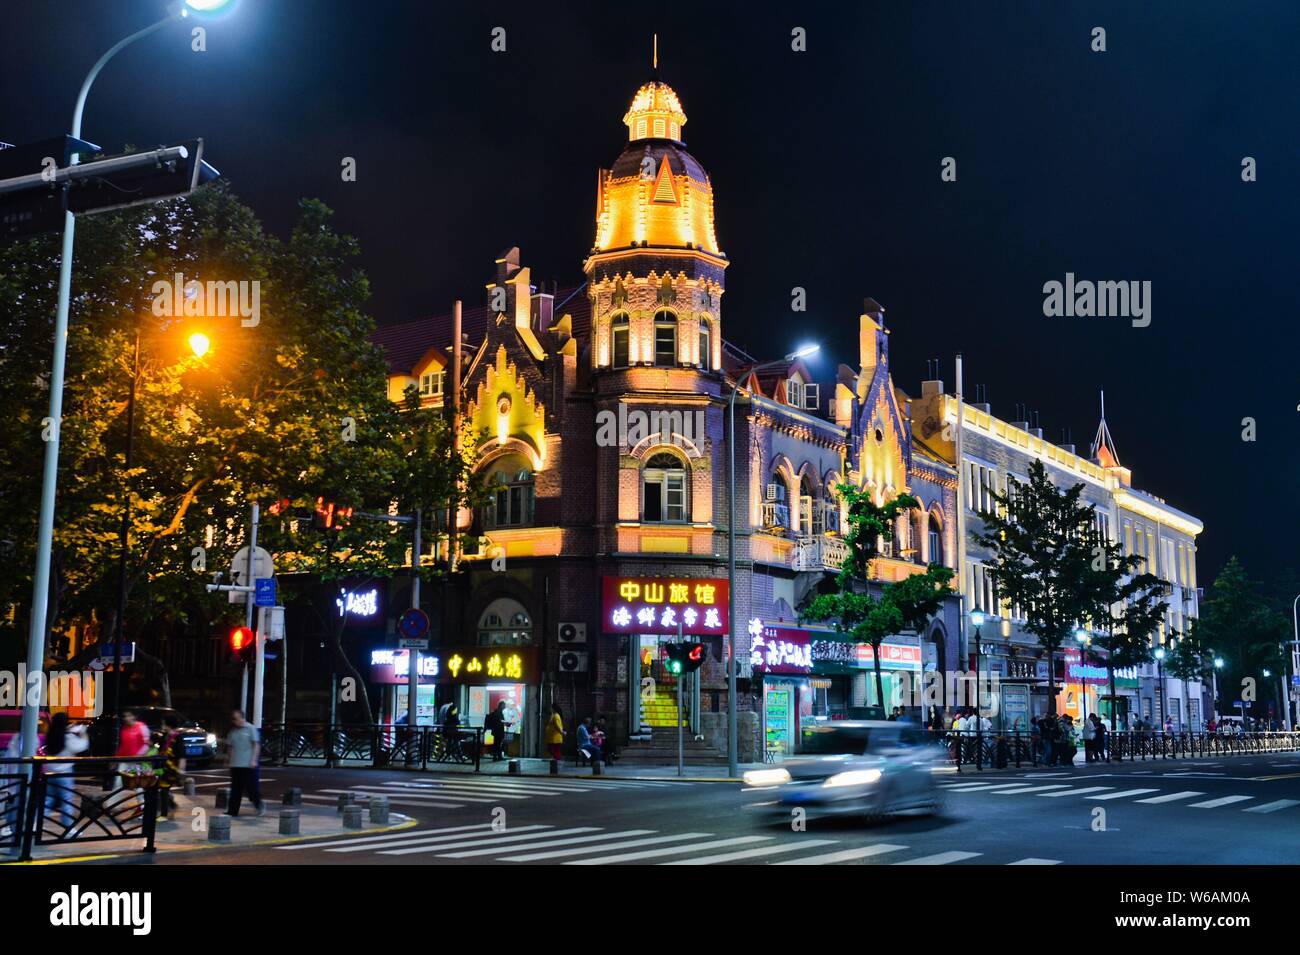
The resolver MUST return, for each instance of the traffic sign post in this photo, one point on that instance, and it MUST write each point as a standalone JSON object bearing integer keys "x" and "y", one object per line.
{"x": 414, "y": 629}
{"x": 265, "y": 591}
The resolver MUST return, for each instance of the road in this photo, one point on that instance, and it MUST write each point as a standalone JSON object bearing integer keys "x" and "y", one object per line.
{"x": 1226, "y": 811}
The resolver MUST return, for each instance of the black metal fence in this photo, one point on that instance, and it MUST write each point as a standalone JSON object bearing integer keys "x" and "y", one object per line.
{"x": 47, "y": 801}
{"x": 372, "y": 744}
{"x": 995, "y": 750}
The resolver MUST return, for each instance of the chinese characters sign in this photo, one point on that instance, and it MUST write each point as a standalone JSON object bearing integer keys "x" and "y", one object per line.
{"x": 781, "y": 650}
{"x": 858, "y": 656}
{"x": 1076, "y": 671}
{"x": 661, "y": 604}
{"x": 463, "y": 665}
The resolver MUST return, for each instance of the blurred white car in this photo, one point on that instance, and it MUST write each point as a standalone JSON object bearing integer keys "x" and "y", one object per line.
{"x": 870, "y": 768}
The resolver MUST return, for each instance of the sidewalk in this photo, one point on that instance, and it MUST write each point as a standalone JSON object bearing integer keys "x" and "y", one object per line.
{"x": 187, "y": 831}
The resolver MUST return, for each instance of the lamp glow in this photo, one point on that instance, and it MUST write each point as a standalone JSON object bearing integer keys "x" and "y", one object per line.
{"x": 803, "y": 352}
{"x": 207, "y": 6}
{"x": 1160, "y": 653}
{"x": 199, "y": 344}
{"x": 1218, "y": 663}
{"x": 977, "y": 618}
{"x": 1081, "y": 635}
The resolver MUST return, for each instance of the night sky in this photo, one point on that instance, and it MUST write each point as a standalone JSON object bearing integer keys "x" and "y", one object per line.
{"x": 1122, "y": 165}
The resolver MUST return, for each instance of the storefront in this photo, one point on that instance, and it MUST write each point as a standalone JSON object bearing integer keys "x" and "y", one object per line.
{"x": 781, "y": 659}
{"x": 1082, "y": 683}
{"x": 477, "y": 679}
{"x": 845, "y": 672}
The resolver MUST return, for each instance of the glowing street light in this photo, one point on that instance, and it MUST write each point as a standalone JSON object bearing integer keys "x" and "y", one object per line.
{"x": 199, "y": 344}
{"x": 803, "y": 352}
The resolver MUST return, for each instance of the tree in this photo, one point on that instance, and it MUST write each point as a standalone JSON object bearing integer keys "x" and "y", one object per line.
{"x": 1050, "y": 560}
{"x": 910, "y": 602}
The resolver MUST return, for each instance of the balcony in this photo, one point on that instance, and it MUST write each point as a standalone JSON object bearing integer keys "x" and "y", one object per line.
{"x": 819, "y": 553}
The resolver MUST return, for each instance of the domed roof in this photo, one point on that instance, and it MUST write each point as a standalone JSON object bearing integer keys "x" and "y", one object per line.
{"x": 655, "y": 113}
{"x": 631, "y": 161}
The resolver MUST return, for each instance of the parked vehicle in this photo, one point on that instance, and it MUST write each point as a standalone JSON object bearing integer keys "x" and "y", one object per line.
{"x": 870, "y": 768}
{"x": 200, "y": 745}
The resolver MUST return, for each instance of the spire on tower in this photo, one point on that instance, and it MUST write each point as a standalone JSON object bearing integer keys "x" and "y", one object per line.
{"x": 1103, "y": 446}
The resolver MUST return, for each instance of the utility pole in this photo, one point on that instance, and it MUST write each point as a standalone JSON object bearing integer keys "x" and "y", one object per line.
{"x": 413, "y": 653}
{"x": 250, "y": 604}
{"x": 681, "y": 678}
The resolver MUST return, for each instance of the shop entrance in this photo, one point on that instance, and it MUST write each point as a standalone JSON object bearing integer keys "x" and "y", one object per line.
{"x": 657, "y": 688}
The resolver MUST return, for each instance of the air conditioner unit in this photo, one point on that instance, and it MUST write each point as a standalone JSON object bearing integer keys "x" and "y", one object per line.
{"x": 573, "y": 661}
{"x": 811, "y": 397}
{"x": 771, "y": 492}
{"x": 573, "y": 633}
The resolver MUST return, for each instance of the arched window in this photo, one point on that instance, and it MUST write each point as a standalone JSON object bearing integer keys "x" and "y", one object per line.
{"x": 665, "y": 337}
{"x": 776, "y": 507}
{"x": 936, "y": 541}
{"x": 663, "y": 494}
{"x": 510, "y": 484}
{"x": 706, "y": 344}
{"x": 619, "y": 341}
{"x": 805, "y": 507}
{"x": 505, "y": 622}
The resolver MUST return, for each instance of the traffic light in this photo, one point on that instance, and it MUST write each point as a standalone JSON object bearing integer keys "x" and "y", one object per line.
{"x": 243, "y": 643}
{"x": 684, "y": 657}
{"x": 329, "y": 516}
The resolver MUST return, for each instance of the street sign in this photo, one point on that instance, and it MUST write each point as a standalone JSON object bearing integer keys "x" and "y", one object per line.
{"x": 106, "y": 654}
{"x": 34, "y": 211}
{"x": 263, "y": 566}
{"x": 265, "y": 591}
{"x": 413, "y": 643}
{"x": 414, "y": 624}
{"x": 151, "y": 183}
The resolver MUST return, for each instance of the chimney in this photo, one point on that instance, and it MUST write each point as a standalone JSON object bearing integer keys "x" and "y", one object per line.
{"x": 507, "y": 264}
{"x": 543, "y": 312}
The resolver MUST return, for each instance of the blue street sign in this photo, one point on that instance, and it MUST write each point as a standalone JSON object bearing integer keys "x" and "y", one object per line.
{"x": 108, "y": 652}
{"x": 265, "y": 591}
{"x": 414, "y": 624}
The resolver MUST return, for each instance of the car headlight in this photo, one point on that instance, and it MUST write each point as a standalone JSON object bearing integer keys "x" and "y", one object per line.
{"x": 854, "y": 777}
{"x": 766, "y": 777}
{"x": 212, "y": 739}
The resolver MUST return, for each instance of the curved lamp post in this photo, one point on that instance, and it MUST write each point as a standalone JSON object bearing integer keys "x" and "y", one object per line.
{"x": 176, "y": 12}
{"x": 732, "y": 734}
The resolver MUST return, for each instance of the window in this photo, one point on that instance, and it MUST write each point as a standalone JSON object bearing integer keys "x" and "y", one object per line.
{"x": 984, "y": 594}
{"x": 805, "y": 509}
{"x": 706, "y": 344}
{"x": 936, "y": 542}
{"x": 619, "y": 333}
{"x": 505, "y": 622}
{"x": 776, "y": 512}
{"x": 640, "y": 129}
{"x": 431, "y": 384}
{"x": 980, "y": 483}
{"x": 665, "y": 338}
{"x": 794, "y": 392}
{"x": 660, "y": 127}
{"x": 511, "y": 493}
{"x": 664, "y": 498}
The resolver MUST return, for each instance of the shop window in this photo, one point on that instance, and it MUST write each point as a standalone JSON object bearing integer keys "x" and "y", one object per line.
{"x": 664, "y": 489}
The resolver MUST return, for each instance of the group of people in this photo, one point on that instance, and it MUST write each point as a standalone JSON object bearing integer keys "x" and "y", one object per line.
{"x": 1056, "y": 738}
{"x": 593, "y": 741}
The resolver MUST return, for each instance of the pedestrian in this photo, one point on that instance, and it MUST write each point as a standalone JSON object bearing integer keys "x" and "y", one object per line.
{"x": 172, "y": 750}
{"x": 586, "y": 745}
{"x": 495, "y": 723}
{"x": 244, "y": 745}
{"x": 601, "y": 738}
{"x": 554, "y": 735}
{"x": 1089, "y": 735}
{"x": 60, "y": 794}
{"x": 1098, "y": 738}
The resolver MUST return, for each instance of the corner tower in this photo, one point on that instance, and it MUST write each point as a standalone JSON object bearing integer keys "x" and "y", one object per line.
{"x": 655, "y": 272}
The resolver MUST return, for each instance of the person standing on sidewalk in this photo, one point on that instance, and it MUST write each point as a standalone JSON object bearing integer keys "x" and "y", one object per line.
{"x": 554, "y": 737}
{"x": 173, "y": 771}
{"x": 495, "y": 723}
{"x": 244, "y": 745}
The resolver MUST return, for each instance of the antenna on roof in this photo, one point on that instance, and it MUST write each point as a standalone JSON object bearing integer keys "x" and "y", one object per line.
{"x": 654, "y": 62}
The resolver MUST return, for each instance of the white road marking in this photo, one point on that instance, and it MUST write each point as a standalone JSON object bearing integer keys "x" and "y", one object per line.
{"x": 1171, "y": 797}
{"x": 1032, "y": 861}
{"x": 1033, "y": 789}
{"x": 512, "y": 835}
{"x": 397, "y": 801}
{"x": 550, "y": 843}
{"x": 1125, "y": 793}
{"x": 1223, "y": 801}
{"x": 941, "y": 858}
{"x": 559, "y": 853}
{"x": 752, "y": 853}
{"x": 1075, "y": 792}
{"x": 845, "y": 855}
{"x": 1274, "y": 806}
{"x": 669, "y": 851}
{"x": 403, "y": 835}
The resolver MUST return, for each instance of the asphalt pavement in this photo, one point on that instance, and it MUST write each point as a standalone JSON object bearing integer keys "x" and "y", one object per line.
{"x": 1224, "y": 811}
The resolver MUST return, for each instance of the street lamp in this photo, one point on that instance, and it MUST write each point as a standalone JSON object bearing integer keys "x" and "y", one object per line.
{"x": 733, "y": 768}
{"x": 1160, "y": 676}
{"x": 1218, "y": 665}
{"x": 1084, "y": 640}
{"x": 50, "y": 474}
{"x": 977, "y": 618}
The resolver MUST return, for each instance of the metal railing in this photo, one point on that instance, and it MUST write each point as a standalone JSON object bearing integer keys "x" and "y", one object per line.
{"x": 998, "y": 750}
{"x": 95, "y": 799}
{"x": 376, "y": 744}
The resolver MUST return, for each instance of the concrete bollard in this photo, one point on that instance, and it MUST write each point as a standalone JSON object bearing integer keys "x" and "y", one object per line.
{"x": 379, "y": 810}
{"x": 292, "y": 797}
{"x": 218, "y": 829}
{"x": 189, "y": 786}
{"x": 223, "y": 798}
{"x": 555, "y": 767}
{"x": 352, "y": 817}
{"x": 345, "y": 800}
{"x": 290, "y": 820}
{"x": 596, "y": 767}
{"x": 513, "y": 767}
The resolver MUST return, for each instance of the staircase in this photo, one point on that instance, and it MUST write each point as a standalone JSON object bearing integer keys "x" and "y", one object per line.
{"x": 661, "y": 749}
{"x": 661, "y": 711}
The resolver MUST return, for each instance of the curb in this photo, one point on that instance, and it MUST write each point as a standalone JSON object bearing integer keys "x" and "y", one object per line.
{"x": 409, "y": 823}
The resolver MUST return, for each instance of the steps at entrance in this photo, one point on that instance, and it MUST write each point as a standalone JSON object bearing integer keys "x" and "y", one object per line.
{"x": 661, "y": 749}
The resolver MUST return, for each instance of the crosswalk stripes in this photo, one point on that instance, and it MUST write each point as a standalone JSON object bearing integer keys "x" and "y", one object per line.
{"x": 1171, "y": 797}
{"x": 1274, "y": 806}
{"x": 592, "y": 845}
{"x": 1221, "y": 801}
{"x": 1124, "y": 794}
{"x": 1075, "y": 792}
{"x": 457, "y": 793}
{"x": 1031, "y": 789}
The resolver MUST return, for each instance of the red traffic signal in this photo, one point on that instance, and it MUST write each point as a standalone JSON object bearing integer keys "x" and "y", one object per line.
{"x": 684, "y": 657}
{"x": 241, "y": 638}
